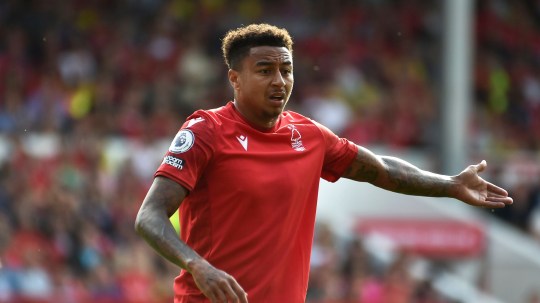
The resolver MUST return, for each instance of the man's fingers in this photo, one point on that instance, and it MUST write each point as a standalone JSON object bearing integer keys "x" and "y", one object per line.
{"x": 219, "y": 292}
{"x": 494, "y": 189}
{"x": 218, "y": 295}
{"x": 240, "y": 293}
{"x": 480, "y": 166}
{"x": 212, "y": 296}
{"x": 489, "y": 204}
{"x": 496, "y": 195}
{"x": 234, "y": 291}
{"x": 217, "y": 285}
{"x": 225, "y": 286}
{"x": 504, "y": 200}
{"x": 226, "y": 290}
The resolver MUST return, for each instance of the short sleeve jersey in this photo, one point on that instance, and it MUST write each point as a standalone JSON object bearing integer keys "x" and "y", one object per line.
{"x": 252, "y": 198}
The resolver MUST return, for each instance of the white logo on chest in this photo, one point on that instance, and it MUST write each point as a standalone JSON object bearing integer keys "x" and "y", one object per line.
{"x": 243, "y": 140}
{"x": 296, "y": 138}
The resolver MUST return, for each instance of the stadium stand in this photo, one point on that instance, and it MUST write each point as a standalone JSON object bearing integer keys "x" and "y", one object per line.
{"x": 91, "y": 92}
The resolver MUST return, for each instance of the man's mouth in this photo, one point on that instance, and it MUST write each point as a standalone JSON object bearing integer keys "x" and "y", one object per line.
{"x": 278, "y": 97}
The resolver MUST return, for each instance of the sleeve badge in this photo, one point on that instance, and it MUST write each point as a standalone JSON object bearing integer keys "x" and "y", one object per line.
{"x": 182, "y": 142}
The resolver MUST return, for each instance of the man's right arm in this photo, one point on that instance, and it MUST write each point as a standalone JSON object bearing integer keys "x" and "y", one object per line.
{"x": 153, "y": 224}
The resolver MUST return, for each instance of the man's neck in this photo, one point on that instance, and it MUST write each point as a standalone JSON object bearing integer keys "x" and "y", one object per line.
{"x": 262, "y": 125}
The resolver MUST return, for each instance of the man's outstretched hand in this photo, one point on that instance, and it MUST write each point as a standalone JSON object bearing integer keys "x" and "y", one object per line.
{"x": 215, "y": 284}
{"x": 474, "y": 190}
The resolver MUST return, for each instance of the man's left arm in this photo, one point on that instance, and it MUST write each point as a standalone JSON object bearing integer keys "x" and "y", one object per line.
{"x": 399, "y": 176}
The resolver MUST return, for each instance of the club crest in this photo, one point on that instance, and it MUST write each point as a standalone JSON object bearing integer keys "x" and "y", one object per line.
{"x": 296, "y": 139}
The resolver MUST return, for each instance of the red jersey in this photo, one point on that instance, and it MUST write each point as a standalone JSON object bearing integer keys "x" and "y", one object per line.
{"x": 252, "y": 198}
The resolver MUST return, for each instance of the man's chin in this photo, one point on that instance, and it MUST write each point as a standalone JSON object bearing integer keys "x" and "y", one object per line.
{"x": 273, "y": 114}
{"x": 277, "y": 111}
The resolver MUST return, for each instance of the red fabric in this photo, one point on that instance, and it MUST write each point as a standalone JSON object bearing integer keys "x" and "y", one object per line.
{"x": 251, "y": 212}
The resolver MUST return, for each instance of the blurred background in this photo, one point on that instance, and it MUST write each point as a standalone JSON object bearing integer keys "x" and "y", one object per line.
{"x": 92, "y": 92}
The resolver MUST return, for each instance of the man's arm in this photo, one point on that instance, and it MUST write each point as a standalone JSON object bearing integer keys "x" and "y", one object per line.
{"x": 153, "y": 224}
{"x": 399, "y": 176}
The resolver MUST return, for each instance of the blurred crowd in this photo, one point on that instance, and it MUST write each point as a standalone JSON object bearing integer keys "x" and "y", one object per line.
{"x": 92, "y": 92}
{"x": 348, "y": 273}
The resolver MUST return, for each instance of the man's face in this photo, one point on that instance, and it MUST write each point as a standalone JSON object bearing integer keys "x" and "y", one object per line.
{"x": 263, "y": 84}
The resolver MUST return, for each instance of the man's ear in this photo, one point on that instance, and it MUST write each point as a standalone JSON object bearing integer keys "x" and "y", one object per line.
{"x": 233, "y": 78}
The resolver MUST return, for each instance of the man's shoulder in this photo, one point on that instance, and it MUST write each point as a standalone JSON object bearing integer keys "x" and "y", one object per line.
{"x": 292, "y": 117}
{"x": 212, "y": 117}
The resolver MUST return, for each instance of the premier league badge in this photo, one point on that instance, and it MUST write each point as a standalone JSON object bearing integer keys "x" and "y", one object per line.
{"x": 182, "y": 142}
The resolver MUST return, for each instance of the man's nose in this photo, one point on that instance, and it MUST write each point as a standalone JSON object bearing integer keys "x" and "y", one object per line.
{"x": 278, "y": 79}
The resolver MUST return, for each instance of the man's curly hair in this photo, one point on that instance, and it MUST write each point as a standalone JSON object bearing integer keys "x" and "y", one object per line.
{"x": 237, "y": 43}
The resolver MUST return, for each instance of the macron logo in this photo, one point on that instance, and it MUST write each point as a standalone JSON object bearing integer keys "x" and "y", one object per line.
{"x": 243, "y": 140}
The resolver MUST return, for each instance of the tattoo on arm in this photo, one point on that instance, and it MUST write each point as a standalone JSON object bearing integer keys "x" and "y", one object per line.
{"x": 362, "y": 168}
{"x": 153, "y": 224}
{"x": 406, "y": 178}
{"x": 397, "y": 175}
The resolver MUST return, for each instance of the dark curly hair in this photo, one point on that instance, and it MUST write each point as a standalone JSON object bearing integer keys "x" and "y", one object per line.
{"x": 237, "y": 43}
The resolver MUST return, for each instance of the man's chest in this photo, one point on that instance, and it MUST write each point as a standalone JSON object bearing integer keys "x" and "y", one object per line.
{"x": 291, "y": 153}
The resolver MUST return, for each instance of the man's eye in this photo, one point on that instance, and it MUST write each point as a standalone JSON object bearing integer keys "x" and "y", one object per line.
{"x": 264, "y": 71}
{"x": 287, "y": 71}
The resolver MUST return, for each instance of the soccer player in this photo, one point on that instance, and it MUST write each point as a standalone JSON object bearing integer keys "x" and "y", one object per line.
{"x": 246, "y": 177}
